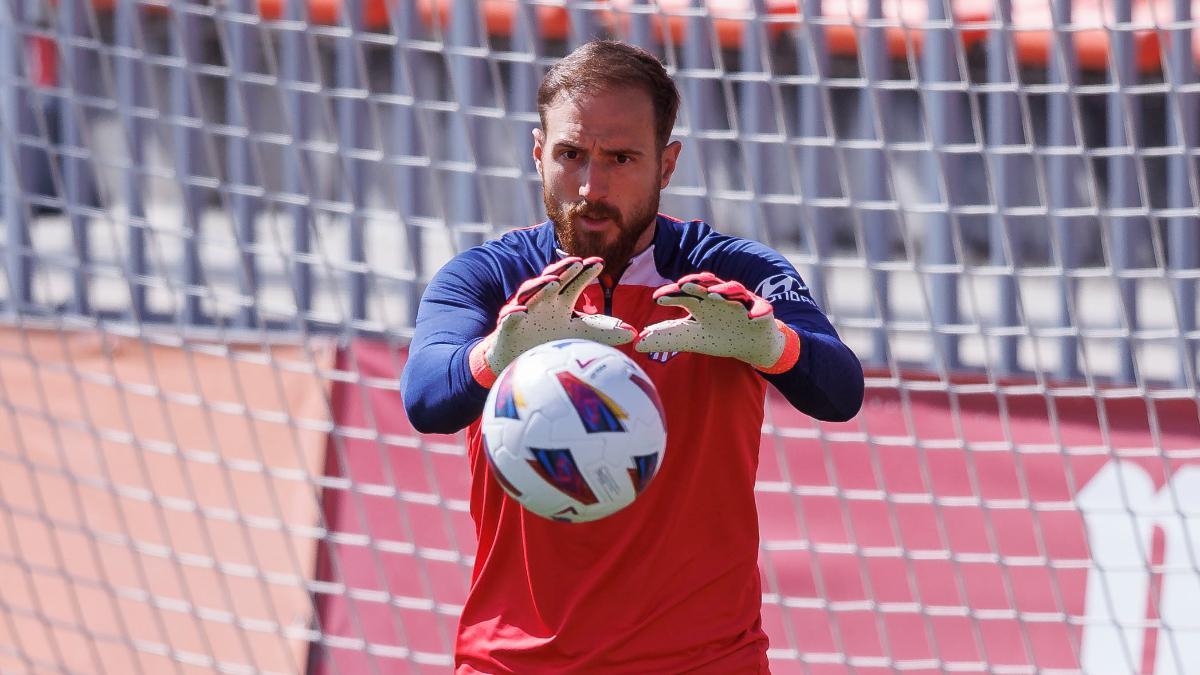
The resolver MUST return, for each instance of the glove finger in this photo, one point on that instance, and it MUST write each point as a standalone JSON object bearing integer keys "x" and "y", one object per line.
{"x": 511, "y": 319}
{"x": 725, "y": 300}
{"x": 688, "y": 302}
{"x": 754, "y": 306}
{"x": 604, "y": 329}
{"x": 666, "y": 336}
{"x": 543, "y": 294}
{"x": 557, "y": 267}
{"x": 666, "y": 289}
{"x": 718, "y": 307}
{"x": 733, "y": 290}
{"x": 688, "y": 290}
{"x": 569, "y": 273}
{"x": 511, "y": 308}
{"x": 705, "y": 279}
{"x": 695, "y": 290}
{"x": 530, "y": 288}
{"x": 692, "y": 284}
{"x": 588, "y": 272}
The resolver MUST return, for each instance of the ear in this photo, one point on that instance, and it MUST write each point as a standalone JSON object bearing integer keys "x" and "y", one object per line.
{"x": 670, "y": 157}
{"x": 538, "y": 139}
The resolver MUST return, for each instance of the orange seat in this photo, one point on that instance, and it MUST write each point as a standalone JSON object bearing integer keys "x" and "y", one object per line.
{"x": 1162, "y": 13}
{"x": 728, "y": 17}
{"x": 500, "y": 16}
{"x": 841, "y": 21}
{"x": 1091, "y": 31}
{"x": 1032, "y": 33}
{"x": 328, "y": 11}
{"x": 907, "y": 21}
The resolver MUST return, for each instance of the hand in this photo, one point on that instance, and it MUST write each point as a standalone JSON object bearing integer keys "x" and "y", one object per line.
{"x": 726, "y": 320}
{"x": 542, "y": 310}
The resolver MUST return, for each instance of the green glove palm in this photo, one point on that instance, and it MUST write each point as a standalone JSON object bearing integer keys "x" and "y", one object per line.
{"x": 726, "y": 320}
{"x": 542, "y": 310}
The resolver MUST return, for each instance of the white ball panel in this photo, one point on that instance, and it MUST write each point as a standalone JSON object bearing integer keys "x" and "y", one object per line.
{"x": 599, "y": 463}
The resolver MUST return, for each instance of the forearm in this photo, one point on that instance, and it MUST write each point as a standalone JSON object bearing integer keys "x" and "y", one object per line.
{"x": 440, "y": 394}
{"x": 827, "y": 380}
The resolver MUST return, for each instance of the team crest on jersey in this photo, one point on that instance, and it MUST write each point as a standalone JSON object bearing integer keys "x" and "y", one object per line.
{"x": 782, "y": 287}
{"x": 662, "y": 357}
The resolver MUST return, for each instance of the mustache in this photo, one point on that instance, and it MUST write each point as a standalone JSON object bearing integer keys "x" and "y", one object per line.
{"x": 594, "y": 210}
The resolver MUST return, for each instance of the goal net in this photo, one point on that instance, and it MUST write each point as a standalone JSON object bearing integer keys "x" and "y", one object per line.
{"x": 219, "y": 218}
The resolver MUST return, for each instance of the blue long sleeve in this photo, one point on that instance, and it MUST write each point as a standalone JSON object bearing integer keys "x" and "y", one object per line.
{"x": 458, "y": 309}
{"x": 827, "y": 380}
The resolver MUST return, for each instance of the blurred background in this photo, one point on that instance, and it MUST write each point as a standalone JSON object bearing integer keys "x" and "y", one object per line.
{"x": 219, "y": 218}
{"x": 968, "y": 166}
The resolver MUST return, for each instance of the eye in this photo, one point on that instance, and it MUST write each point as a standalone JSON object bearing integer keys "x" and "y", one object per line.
{"x": 570, "y": 155}
{"x": 624, "y": 159}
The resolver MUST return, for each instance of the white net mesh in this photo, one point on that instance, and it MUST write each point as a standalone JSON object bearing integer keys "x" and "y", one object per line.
{"x": 219, "y": 218}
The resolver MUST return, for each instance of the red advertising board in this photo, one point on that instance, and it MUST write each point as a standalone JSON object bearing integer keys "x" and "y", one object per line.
{"x": 969, "y": 527}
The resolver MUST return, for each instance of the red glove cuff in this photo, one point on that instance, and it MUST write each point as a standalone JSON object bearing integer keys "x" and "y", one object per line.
{"x": 480, "y": 369}
{"x": 791, "y": 351}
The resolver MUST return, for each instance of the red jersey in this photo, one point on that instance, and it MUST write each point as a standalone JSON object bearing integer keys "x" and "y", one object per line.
{"x": 669, "y": 584}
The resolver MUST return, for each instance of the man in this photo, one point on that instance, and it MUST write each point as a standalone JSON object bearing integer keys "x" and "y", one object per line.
{"x": 669, "y": 584}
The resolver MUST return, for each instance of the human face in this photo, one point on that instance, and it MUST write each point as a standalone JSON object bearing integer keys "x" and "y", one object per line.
{"x": 602, "y": 172}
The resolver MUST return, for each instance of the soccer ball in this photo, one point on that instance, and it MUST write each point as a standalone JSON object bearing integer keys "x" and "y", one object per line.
{"x": 573, "y": 430}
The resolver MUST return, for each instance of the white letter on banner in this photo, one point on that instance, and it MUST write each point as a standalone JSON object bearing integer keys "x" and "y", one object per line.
{"x": 1113, "y": 506}
{"x": 1121, "y": 507}
{"x": 1179, "y": 639}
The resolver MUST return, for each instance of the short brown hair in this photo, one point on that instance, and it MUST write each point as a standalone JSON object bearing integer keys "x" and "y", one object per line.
{"x": 608, "y": 64}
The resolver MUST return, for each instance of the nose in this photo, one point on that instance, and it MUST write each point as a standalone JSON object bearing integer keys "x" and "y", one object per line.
{"x": 594, "y": 186}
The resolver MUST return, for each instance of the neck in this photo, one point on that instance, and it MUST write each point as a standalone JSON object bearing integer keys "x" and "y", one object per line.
{"x": 647, "y": 237}
{"x": 643, "y": 242}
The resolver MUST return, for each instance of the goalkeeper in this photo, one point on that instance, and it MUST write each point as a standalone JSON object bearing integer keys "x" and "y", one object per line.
{"x": 669, "y": 584}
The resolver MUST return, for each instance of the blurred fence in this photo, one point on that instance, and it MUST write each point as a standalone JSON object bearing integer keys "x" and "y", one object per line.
{"x": 1007, "y": 186}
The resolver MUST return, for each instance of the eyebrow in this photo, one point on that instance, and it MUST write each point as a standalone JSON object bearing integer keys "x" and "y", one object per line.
{"x": 567, "y": 145}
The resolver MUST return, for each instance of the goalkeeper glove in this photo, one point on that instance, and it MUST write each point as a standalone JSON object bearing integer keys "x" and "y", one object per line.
{"x": 726, "y": 320}
{"x": 542, "y": 310}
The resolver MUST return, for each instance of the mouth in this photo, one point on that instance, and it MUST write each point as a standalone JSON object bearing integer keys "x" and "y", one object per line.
{"x": 593, "y": 224}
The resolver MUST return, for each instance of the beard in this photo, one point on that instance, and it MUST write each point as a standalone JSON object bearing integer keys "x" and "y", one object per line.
{"x": 578, "y": 242}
